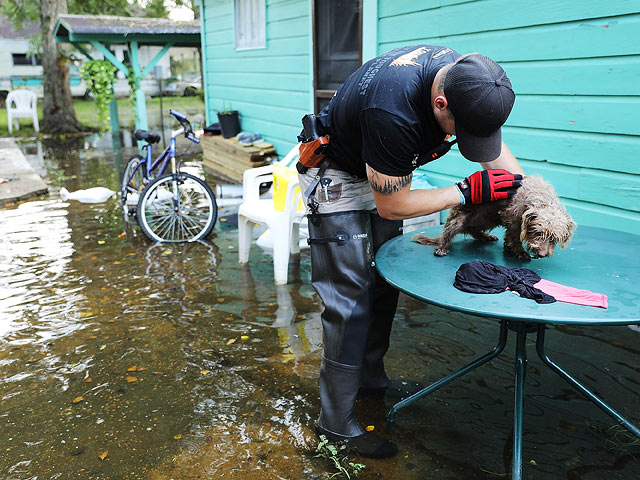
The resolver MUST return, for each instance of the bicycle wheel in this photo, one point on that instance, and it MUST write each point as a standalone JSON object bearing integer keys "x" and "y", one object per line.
{"x": 177, "y": 207}
{"x": 132, "y": 183}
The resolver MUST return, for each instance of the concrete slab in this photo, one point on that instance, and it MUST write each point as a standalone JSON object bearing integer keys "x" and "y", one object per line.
{"x": 22, "y": 180}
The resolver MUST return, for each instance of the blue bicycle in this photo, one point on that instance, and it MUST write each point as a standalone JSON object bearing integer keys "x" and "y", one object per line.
{"x": 170, "y": 207}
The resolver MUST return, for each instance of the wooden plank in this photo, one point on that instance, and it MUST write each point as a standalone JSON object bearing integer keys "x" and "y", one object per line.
{"x": 232, "y": 146}
{"x": 598, "y": 114}
{"x": 617, "y": 153}
{"x": 613, "y": 189}
{"x": 283, "y": 115}
{"x": 265, "y": 96}
{"x": 604, "y": 37}
{"x": 287, "y": 10}
{"x": 601, "y": 76}
{"x": 272, "y": 64}
{"x": 226, "y": 171}
{"x": 489, "y": 15}
{"x": 270, "y": 81}
{"x": 229, "y": 158}
{"x": 223, "y": 47}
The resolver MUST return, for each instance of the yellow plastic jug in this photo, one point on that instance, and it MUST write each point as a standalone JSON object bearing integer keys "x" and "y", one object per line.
{"x": 282, "y": 176}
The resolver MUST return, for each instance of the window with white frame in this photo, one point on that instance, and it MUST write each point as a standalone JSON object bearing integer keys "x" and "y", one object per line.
{"x": 250, "y": 24}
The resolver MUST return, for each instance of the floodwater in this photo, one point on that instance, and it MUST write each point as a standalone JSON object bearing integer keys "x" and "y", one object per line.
{"x": 121, "y": 359}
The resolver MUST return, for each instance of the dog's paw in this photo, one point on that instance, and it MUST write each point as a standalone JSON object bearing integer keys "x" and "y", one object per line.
{"x": 522, "y": 256}
{"x": 485, "y": 237}
{"x": 519, "y": 253}
{"x": 440, "y": 252}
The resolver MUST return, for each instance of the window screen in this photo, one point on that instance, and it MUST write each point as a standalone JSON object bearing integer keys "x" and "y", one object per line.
{"x": 250, "y": 24}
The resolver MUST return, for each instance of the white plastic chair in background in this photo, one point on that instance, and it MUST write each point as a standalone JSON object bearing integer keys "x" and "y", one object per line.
{"x": 22, "y": 104}
{"x": 283, "y": 225}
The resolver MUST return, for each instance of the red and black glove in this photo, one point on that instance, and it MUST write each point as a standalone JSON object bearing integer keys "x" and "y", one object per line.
{"x": 489, "y": 185}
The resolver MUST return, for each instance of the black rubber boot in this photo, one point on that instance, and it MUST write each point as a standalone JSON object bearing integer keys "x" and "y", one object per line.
{"x": 374, "y": 379}
{"x": 338, "y": 389}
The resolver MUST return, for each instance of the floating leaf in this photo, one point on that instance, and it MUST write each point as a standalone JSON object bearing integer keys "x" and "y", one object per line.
{"x": 78, "y": 399}
{"x": 220, "y": 299}
{"x": 177, "y": 437}
{"x": 205, "y": 372}
{"x": 223, "y": 219}
{"x": 230, "y": 341}
{"x": 89, "y": 380}
{"x": 244, "y": 337}
{"x": 197, "y": 312}
{"x": 135, "y": 368}
{"x": 131, "y": 379}
{"x": 101, "y": 242}
{"x": 117, "y": 262}
{"x": 103, "y": 455}
{"x": 122, "y": 235}
{"x": 167, "y": 252}
{"x": 370, "y": 428}
{"x": 102, "y": 347}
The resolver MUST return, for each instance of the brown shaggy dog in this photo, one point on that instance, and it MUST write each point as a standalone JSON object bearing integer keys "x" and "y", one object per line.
{"x": 534, "y": 215}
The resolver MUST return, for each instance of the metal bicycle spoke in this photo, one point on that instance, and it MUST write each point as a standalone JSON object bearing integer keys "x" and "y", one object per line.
{"x": 177, "y": 208}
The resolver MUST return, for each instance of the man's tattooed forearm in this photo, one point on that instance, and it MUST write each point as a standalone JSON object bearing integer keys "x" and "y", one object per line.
{"x": 389, "y": 185}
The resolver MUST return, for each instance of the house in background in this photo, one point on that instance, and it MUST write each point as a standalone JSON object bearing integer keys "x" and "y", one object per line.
{"x": 575, "y": 68}
{"x": 19, "y": 69}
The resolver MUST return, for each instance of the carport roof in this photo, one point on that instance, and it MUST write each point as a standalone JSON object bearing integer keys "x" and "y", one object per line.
{"x": 110, "y": 29}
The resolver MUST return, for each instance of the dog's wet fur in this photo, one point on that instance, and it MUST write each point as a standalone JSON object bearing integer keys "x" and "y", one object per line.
{"x": 534, "y": 219}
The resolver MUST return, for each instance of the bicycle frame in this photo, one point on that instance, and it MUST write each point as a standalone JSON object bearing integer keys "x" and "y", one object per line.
{"x": 167, "y": 155}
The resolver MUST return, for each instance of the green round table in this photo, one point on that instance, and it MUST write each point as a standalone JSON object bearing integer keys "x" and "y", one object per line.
{"x": 596, "y": 259}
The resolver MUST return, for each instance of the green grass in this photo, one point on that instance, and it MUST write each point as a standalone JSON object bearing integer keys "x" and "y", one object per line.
{"x": 87, "y": 114}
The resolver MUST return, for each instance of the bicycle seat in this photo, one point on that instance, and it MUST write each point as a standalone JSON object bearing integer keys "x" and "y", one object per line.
{"x": 148, "y": 137}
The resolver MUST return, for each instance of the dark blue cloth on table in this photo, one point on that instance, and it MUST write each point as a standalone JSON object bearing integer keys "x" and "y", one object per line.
{"x": 485, "y": 277}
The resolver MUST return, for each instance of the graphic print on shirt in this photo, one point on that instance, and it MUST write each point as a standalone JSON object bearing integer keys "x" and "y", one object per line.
{"x": 409, "y": 59}
{"x": 406, "y": 59}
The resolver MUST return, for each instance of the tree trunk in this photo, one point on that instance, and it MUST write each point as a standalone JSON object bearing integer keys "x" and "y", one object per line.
{"x": 58, "y": 113}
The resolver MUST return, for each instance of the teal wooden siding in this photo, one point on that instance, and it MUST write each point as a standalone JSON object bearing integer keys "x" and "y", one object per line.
{"x": 575, "y": 67}
{"x": 270, "y": 87}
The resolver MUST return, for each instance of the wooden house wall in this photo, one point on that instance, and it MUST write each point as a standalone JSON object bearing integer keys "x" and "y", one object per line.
{"x": 575, "y": 67}
{"x": 270, "y": 87}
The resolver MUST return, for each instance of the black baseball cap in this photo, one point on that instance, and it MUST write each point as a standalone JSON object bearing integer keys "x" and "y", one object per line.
{"x": 480, "y": 97}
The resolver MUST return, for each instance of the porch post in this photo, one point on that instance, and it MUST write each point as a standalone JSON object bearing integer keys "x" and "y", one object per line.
{"x": 141, "y": 105}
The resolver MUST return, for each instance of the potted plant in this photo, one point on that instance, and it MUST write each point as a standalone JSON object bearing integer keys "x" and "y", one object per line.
{"x": 229, "y": 122}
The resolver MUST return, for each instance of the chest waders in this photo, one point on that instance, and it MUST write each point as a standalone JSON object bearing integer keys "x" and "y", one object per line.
{"x": 358, "y": 312}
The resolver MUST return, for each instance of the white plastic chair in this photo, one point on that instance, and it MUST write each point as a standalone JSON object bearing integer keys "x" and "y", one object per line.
{"x": 22, "y": 104}
{"x": 284, "y": 226}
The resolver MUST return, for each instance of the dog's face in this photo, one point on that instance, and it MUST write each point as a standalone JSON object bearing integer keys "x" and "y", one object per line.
{"x": 544, "y": 228}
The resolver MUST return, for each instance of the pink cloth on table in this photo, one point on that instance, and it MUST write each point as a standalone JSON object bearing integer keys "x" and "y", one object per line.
{"x": 563, "y": 293}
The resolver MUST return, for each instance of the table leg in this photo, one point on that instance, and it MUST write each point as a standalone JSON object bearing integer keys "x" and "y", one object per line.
{"x": 578, "y": 386}
{"x": 502, "y": 340}
{"x": 521, "y": 370}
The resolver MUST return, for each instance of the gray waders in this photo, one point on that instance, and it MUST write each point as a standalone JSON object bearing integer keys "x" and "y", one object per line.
{"x": 359, "y": 310}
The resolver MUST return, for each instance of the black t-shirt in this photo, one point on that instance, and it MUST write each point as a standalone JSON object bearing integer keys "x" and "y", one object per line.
{"x": 382, "y": 114}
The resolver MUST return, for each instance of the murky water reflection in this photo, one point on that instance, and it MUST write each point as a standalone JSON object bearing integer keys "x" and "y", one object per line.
{"x": 124, "y": 359}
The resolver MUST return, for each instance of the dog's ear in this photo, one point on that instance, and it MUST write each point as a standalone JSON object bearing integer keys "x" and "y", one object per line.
{"x": 527, "y": 217}
{"x": 570, "y": 227}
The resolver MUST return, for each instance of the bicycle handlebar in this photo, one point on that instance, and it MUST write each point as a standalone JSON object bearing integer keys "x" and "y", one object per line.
{"x": 178, "y": 115}
{"x": 186, "y": 126}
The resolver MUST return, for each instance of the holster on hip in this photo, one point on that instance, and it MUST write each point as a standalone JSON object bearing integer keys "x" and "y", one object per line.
{"x": 313, "y": 144}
